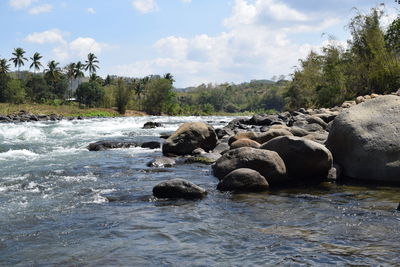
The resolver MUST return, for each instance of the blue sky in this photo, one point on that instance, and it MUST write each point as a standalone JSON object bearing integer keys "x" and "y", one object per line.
{"x": 198, "y": 41}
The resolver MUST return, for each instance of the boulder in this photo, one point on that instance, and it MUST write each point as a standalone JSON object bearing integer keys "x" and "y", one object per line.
{"x": 271, "y": 134}
{"x": 364, "y": 140}
{"x": 247, "y": 135}
{"x": 161, "y": 162}
{"x": 151, "y": 125}
{"x": 305, "y": 160}
{"x": 244, "y": 142}
{"x": 178, "y": 188}
{"x": 151, "y": 145}
{"x": 243, "y": 180}
{"x": 104, "y": 145}
{"x": 268, "y": 163}
{"x": 398, "y": 207}
{"x": 221, "y": 132}
{"x": 221, "y": 148}
{"x": 296, "y": 131}
{"x": 188, "y": 137}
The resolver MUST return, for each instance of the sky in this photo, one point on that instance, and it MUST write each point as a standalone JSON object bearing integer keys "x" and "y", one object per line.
{"x": 197, "y": 41}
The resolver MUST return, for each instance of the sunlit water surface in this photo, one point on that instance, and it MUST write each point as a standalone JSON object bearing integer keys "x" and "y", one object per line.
{"x": 55, "y": 210}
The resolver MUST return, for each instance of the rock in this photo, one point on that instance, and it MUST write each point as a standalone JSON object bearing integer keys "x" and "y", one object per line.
{"x": 198, "y": 151}
{"x": 296, "y": 131}
{"x": 244, "y": 142}
{"x": 317, "y": 120}
{"x": 221, "y": 148}
{"x": 178, "y": 188}
{"x": 161, "y": 162}
{"x": 398, "y": 207}
{"x": 165, "y": 135}
{"x": 104, "y": 145}
{"x": 221, "y": 132}
{"x": 271, "y": 134}
{"x": 314, "y": 127}
{"x": 247, "y": 135}
{"x": 335, "y": 173}
{"x": 364, "y": 140}
{"x": 262, "y": 120}
{"x": 188, "y": 137}
{"x": 267, "y": 163}
{"x": 151, "y": 145}
{"x": 243, "y": 180}
{"x": 5, "y": 119}
{"x": 305, "y": 160}
{"x": 203, "y": 159}
{"x": 151, "y": 125}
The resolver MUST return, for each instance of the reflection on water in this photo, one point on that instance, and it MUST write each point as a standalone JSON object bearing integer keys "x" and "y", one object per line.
{"x": 64, "y": 205}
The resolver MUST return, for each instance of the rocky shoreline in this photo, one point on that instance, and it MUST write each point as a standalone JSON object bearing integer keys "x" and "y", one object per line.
{"x": 24, "y": 116}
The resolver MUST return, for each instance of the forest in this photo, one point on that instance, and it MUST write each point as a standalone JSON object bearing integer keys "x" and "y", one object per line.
{"x": 368, "y": 63}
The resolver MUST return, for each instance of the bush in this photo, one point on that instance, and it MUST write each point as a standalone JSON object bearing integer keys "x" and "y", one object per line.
{"x": 90, "y": 93}
{"x": 15, "y": 92}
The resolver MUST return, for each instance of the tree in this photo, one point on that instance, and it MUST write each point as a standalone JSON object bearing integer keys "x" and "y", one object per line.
{"x": 169, "y": 77}
{"x": 70, "y": 73}
{"x": 37, "y": 89}
{"x": 18, "y": 58}
{"x": 159, "y": 97}
{"x": 15, "y": 92}
{"x": 36, "y": 65}
{"x": 4, "y": 80}
{"x": 139, "y": 87}
{"x": 4, "y": 67}
{"x": 78, "y": 73}
{"x": 90, "y": 93}
{"x": 53, "y": 72}
{"x": 122, "y": 96}
{"x": 392, "y": 37}
{"x": 90, "y": 63}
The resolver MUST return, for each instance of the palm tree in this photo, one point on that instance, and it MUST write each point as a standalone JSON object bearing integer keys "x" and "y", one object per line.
{"x": 36, "y": 65}
{"x": 53, "y": 72}
{"x": 78, "y": 73}
{"x": 91, "y": 63}
{"x": 18, "y": 58}
{"x": 70, "y": 72}
{"x": 139, "y": 87}
{"x": 4, "y": 67}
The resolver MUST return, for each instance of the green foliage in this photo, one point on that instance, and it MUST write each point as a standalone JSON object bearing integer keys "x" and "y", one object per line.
{"x": 122, "y": 96}
{"x": 90, "y": 94}
{"x": 15, "y": 92}
{"x": 4, "y": 80}
{"x": 159, "y": 97}
{"x": 37, "y": 89}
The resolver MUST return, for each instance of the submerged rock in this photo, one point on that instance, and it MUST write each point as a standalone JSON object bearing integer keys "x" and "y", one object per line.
{"x": 178, "y": 188}
{"x": 151, "y": 125}
{"x": 365, "y": 140}
{"x": 104, "y": 145}
{"x": 162, "y": 162}
{"x": 243, "y": 180}
{"x": 188, "y": 137}
{"x": 151, "y": 145}
{"x": 268, "y": 163}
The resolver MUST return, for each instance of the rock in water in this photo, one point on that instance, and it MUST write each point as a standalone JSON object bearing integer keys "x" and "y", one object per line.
{"x": 268, "y": 163}
{"x": 178, "y": 188}
{"x": 161, "y": 162}
{"x": 243, "y": 180}
{"x": 188, "y": 137}
{"x": 365, "y": 140}
{"x": 104, "y": 145}
{"x": 305, "y": 160}
{"x": 151, "y": 125}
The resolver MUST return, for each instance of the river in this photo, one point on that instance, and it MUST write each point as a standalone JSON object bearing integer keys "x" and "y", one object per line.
{"x": 55, "y": 208}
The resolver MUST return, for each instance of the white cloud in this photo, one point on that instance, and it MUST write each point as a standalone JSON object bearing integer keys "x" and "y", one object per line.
{"x": 77, "y": 49}
{"x": 20, "y": 4}
{"x": 91, "y": 10}
{"x": 145, "y": 6}
{"x": 41, "y": 9}
{"x": 253, "y": 47}
{"x": 49, "y": 36}
{"x": 186, "y": 1}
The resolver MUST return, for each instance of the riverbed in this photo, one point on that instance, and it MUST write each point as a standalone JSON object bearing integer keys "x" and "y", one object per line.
{"x": 63, "y": 205}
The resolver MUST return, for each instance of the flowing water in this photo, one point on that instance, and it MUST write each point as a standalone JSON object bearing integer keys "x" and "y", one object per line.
{"x": 55, "y": 208}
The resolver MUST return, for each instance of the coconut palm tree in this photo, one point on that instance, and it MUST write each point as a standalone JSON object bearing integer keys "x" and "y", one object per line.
{"x": 90, "y": 63}
{"x": 70, "y": 73}
{"x": 139, "y": 87}
{"x": 169, "y": 77}
{"x": 4, "y": 67}
{"x": 78, "y": 73}
{"x": 53, "y": 72}
{"x": 36, "y": 65}
{"x": 18, "y": 58}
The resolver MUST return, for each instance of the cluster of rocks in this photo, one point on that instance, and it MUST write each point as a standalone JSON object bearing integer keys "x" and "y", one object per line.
{"x": 24, "y": 116}
{"x": 303, "y": 147}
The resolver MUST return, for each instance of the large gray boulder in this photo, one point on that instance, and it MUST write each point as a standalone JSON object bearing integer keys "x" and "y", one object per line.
{"x": 178, "y": 188}
{"x": 188, "y": 137}
{"x": 305, "y": 160}
{"x": 268, "y": 163}
{"x": 365, "y": 140}
{"x": 243, "y": 180}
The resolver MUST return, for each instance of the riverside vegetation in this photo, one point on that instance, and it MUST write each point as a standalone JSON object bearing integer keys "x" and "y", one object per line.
{"x": 370, "y": 63}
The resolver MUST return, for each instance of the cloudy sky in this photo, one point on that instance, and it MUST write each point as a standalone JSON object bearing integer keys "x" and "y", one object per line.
{"x": 198, "y": 41}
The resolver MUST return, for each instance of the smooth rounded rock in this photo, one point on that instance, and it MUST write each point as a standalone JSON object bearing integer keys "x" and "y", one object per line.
{"x": 305, "y": 160}
{"x": 267, "y": 163}
{"x": 243, "y": 180}
{"x": 188, "y": 137}
{"x": 244, "y": 142}
{"x": 178, "y": 188}
{"x": 271, "y": 134}
{"x": 161, "y": 162}
{"x": 365, "y": 140}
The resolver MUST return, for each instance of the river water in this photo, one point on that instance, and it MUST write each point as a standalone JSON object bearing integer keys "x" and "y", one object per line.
{"x": 55, "y": 208}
